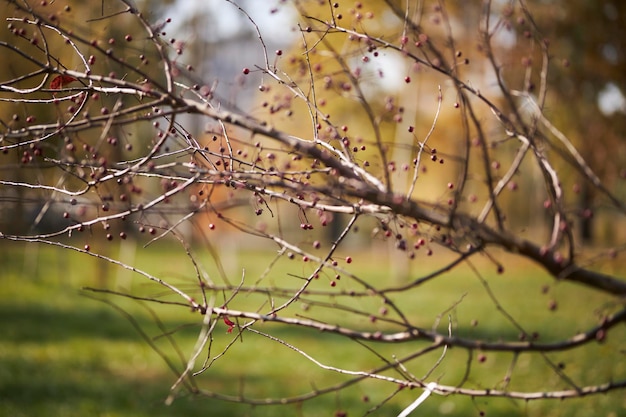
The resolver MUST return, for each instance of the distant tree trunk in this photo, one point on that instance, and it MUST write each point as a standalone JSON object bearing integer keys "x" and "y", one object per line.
{"x": 586, "y": 220}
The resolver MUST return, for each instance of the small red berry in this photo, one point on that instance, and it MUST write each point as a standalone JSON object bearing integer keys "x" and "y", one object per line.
{"x": 601, "y": 335}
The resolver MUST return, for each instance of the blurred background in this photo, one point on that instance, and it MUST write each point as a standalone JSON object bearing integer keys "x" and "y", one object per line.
{"x": 64, "y": 354}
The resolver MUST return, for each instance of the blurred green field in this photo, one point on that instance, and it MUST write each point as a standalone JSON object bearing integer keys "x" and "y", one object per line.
{"x": 63, "y": 353}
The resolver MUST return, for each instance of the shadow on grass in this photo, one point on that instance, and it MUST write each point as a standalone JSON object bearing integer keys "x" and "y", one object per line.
{"x": 36, "y": 323}
{"x": 88, "y": 362}
{"x": 69, "y": 363}
{"x": 33, "y": 384}
{"x": 50, "y": 390}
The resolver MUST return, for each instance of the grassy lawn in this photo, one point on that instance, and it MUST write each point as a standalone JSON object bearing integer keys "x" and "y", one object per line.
{"x": 63, "y": 353}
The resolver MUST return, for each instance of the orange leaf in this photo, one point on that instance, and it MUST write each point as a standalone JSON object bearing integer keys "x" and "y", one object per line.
{"x": 61, "y": 81}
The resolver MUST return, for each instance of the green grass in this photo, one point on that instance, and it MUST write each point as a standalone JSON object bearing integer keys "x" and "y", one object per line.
{"x": 65, "y": 354}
